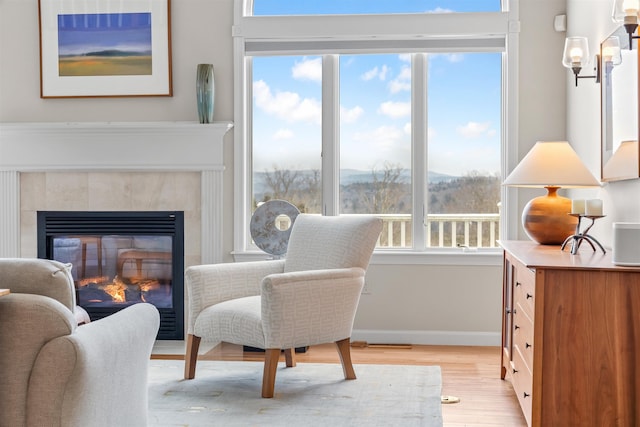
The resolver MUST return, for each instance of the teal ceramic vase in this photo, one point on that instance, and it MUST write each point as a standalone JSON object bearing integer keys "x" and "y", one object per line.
{"x": 205, "y": 92}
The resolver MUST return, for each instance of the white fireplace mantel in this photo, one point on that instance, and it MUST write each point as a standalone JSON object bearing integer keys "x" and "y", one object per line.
{"x": 112, "y": 146}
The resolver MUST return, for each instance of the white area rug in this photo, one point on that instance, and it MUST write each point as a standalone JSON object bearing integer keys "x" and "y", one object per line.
{"x": 310, "y": 394}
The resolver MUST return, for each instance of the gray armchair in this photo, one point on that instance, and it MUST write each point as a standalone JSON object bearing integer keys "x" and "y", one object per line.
{"x": 308, "y": 298}
{"x": 55, "y": 373}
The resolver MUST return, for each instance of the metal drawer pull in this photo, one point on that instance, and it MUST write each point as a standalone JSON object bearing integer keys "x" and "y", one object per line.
{"x": 518, "y": 283}
{"x": 515, "y": 371}
{"x": 527, "y": 345}
{"x": 516, "y": 327}
{"x": 526, "y": 394}
{"x": 529, "y": 296}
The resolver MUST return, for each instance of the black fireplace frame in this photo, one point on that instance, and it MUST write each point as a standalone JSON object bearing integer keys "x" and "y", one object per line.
{"x": 52, "y": 224}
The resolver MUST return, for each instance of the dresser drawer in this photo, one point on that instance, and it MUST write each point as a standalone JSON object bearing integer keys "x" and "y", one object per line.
{"x": 523, "y": 335}
{"x": 525, "y": 289}
{"x": 522, "y": 384}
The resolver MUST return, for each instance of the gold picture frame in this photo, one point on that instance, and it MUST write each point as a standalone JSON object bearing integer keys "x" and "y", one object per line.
{"x": 106, "y": 48}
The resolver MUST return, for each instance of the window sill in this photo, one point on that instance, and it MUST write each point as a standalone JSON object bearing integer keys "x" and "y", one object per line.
{"x": 458, "y": 257}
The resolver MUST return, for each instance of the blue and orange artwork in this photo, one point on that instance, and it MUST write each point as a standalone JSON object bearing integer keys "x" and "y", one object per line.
{"x": 104, "y": 44}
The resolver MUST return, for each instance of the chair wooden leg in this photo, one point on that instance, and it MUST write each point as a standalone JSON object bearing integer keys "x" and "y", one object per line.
{"x": 290, "y": 357}
{"x": 344, "y": 350}
{"x": 271, "y": 357}
{"x": 191, "y": 356}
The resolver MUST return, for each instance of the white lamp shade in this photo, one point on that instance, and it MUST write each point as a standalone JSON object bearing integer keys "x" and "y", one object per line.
{"x": 576, "y": 52}
{"x": 551, "y": 163}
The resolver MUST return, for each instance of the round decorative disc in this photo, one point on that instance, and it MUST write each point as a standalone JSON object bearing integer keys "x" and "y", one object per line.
{"x": 264, "y": 226}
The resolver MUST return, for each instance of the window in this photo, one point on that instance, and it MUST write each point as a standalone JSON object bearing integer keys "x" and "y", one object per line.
{"x": 287, "y": 139}
{"x": 398, "y": 115}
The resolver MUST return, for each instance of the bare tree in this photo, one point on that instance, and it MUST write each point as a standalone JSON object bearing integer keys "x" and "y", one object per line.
{"x": 386, "y": 193}
{"x": 473, "y": 193}
{"x": 300, "y": 188}
{"x": 281, "y": 182}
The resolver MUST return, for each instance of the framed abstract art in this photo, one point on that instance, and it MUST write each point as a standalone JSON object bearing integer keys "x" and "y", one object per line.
{"x": 105, "y": 48}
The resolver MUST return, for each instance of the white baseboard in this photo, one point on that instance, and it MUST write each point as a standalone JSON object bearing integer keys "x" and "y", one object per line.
{"x": 427, "y": 337}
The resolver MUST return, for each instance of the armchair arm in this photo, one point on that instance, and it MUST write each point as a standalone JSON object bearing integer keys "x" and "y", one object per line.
{"x": 28, "y": 323}
{"x": 211, "y": 284}
{"x": 97, "y": 373}
{"x": 310, "y": 307}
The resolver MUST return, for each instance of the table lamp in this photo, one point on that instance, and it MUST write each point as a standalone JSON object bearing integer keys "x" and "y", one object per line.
{"x": 550, "y": 164}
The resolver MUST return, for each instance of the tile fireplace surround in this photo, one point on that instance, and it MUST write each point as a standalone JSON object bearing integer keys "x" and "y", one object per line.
{"x": 126, "y": 166}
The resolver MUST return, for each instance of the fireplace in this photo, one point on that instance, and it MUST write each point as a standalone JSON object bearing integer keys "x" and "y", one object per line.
{"x": 119, "y": 259}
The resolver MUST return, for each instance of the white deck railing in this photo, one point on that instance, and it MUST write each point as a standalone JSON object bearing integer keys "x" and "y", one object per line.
{"x": 443, "y": 230}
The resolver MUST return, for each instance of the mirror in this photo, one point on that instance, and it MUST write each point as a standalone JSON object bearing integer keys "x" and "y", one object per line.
{"x": 619, "y": 108}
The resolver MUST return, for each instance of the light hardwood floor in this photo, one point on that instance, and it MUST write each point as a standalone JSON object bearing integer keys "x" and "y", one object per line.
{"x": 470, "y": 373}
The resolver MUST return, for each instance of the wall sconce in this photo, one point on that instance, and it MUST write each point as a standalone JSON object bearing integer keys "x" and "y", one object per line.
{"x": 625, "y": 12}
{"x": 576, "y": 57}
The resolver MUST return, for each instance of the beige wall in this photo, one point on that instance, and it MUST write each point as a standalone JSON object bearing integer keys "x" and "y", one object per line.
{"x": 437, "y": 301}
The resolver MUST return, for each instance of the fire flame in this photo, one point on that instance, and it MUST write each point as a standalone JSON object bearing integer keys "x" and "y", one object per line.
{"x": 116, "y": 290}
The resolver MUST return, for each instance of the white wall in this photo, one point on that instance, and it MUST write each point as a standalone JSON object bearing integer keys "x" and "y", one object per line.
{"x": 406, "y": 303}
{"x": 592, "y": 19}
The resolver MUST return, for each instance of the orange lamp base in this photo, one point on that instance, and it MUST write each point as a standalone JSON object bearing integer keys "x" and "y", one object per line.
{"x": 546, "y": 219}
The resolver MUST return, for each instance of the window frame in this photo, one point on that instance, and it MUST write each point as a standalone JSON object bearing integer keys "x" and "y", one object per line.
{"x": 406, "y": 33}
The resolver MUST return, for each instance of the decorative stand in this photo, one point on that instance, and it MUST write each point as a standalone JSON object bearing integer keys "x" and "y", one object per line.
{"x": 577, "y": 239}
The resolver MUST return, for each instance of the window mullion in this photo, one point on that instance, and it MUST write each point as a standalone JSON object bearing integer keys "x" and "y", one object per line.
{"x": 419, "y": 127}
{"x": 330, "y": 134}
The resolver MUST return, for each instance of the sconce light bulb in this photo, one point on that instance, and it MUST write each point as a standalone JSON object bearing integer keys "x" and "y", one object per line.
{"x": 576, "y": 55}
{"x": 607, "y": 54}
{"x": 630, "y": 7}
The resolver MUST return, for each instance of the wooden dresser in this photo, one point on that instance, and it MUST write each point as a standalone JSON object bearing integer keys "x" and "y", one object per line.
{"x": 571, "y": 336}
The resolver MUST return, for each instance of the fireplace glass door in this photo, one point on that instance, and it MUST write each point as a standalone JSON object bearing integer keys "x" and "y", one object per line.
{"x": 118, "y": 270}
{"x": 120, "y": 259}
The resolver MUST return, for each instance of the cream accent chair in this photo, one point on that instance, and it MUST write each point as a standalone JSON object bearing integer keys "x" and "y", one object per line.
{"x": 308, "y": 298}
{"x": 56, "y": 373}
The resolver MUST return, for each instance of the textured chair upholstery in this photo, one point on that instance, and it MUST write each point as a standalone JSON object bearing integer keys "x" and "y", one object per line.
{"x": 308, "y": 298}
{"x": 55, "y": 373}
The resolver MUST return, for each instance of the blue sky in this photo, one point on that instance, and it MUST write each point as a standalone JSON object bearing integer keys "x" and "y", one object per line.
{"x": 305, "y": 7}
{"x": 81, "y": 33}
{"x": 464, "y": 115}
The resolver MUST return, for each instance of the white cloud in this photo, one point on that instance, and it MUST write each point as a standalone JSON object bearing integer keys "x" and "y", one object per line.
{"x": 308, "y": 69}
{"x": 283, "y": 134}
{"x": 473, "y": 129}
{"x": 288, "y": 106}
{"x": 405, "y": 57}
{"x": 450, "y": 57}
{"x": 350, "y": 115}
{"x": 383, "y": 137}
{"x": 380, "y": 73}
{"x": 440, "y": 10}
{"x": 402, "y": 82}
{"x": 395, "y": 109}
